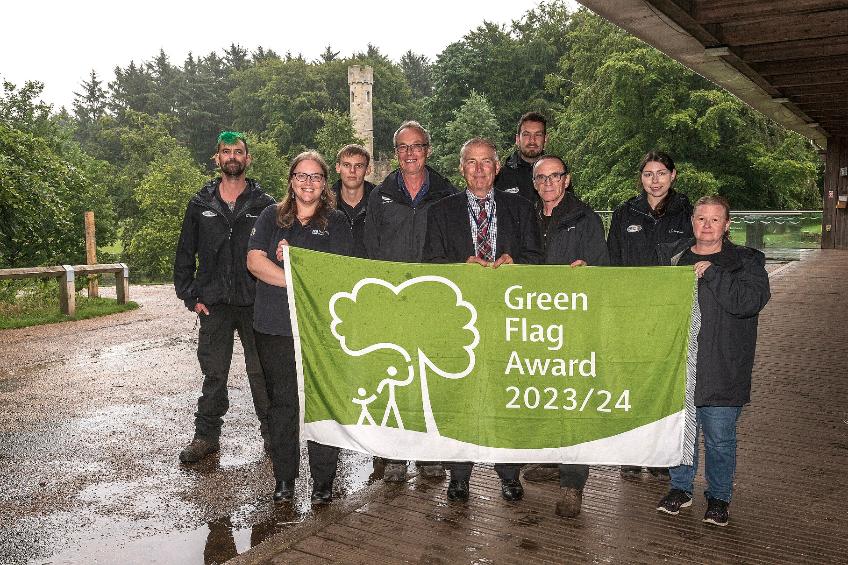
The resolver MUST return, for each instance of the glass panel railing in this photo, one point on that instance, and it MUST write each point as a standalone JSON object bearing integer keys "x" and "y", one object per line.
{"x": 779, "y": 234}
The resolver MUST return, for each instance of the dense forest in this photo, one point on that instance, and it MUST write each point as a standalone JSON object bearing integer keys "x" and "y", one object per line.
{"x": 134, "y": 150}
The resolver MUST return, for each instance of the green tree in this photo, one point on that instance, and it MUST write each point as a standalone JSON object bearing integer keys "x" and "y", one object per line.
{"x": 418, "y": 72}
{"x": 336, "y": 132}
{"x": 475, "y": 118}
{"x": 162, "y": 195}
{"x": 268, "y": 166}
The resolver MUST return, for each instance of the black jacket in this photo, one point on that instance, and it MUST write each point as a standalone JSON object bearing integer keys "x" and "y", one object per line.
{"x": 211, "y": 260}
{"x": 394, "y": 230}
{"x": 574, "y": 232}
{"x": 449, "y": 230}
{"x": 730, "y": 295}
{"x": 634, "y": 233}
{"x": 357, "y": 221}
{"x": 516, "y": 176}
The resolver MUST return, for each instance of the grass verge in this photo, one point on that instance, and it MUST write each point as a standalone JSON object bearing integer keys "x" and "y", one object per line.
{"x": 25, "y": 313}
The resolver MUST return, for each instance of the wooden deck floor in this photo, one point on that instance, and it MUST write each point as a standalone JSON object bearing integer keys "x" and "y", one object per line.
{"x": 789, "y": 503}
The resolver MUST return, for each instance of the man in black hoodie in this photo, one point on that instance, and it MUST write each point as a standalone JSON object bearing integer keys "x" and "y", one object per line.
{"x": 516, "y": 176}
{"x": 211, "y": 277}
{"x": 352, "y": 190}
{"x": 396, "y": 225}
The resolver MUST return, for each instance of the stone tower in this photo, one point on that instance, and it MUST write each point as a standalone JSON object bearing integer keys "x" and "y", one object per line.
{"x": 361, "y": 80}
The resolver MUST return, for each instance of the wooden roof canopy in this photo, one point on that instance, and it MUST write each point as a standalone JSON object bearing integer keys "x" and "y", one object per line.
{"x": 786, "y": 58}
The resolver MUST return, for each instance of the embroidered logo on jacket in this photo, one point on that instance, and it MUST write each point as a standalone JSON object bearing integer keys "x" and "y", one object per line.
{"x": 386, "y": 199}
{"x": 209, "y": 213}
{"x": 633, "y": 228}
{"x": 675, "y": 231}
{"x": 250, "y": 216}
{"x": 513, "y": 190}
{"x": 320, "y": 232}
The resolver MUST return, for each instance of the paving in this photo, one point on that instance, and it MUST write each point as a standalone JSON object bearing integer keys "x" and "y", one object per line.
{"x": 94, "y": 413}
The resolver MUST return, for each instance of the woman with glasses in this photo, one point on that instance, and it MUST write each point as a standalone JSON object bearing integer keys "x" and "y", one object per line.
{"x": 658, "y": 214}
{"x": 733, "y": 288}
{"x": 305, "y": 218}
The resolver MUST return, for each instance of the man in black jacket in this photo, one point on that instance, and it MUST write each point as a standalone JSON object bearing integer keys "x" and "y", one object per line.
{"x": 211, "y": 277}
{"x": 516, "y": 176}
{"x": 352, "y": 190}
{"x": 396, "y": 222}
{"x": 490, "y": 228}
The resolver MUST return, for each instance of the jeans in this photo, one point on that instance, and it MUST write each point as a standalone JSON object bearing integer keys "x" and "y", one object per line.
{"x": 276, "y": 353}
{"x": 215, "y": 353}
{"x": 718, "y": 425}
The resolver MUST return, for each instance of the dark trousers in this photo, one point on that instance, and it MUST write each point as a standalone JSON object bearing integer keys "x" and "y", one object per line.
{"x": 462, "y": 470}
{"x": 215, "y": 353}
{"x": 276, "y": 354}
{"x": 573, "y": 476}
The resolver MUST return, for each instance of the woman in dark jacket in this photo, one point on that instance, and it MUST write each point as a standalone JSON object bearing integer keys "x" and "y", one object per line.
{"x": 733, "y": 287}
{"x": 658, "y": 214}
{"x": 305, "y": 218}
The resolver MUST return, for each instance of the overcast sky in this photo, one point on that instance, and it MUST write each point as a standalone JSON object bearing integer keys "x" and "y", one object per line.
{"x": 59, "y": 42}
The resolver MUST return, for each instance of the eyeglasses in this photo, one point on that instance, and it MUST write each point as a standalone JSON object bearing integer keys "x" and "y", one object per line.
{"x": 354, "y": 166}
{"x": 553, "y": 177}
{"x": 412, "y": 147}
{"x": 306, "y": 177}
{"x": 659, "y": 175}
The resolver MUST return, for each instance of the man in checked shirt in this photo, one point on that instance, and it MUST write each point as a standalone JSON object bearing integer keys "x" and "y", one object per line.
{"x": 491, "y": 228}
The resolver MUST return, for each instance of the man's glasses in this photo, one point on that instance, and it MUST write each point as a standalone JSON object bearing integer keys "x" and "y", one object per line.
{"x": 412, "y": 147}
{"x": 306, "y": 177}
{"x": 553, "y": 177}
{"x": 659, "y": 175}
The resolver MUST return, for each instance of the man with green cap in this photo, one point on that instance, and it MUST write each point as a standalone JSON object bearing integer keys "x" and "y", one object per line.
{"x": 211, "y": 277}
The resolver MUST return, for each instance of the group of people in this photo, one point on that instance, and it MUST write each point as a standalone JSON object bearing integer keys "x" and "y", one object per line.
{"x": 229, "y": 269}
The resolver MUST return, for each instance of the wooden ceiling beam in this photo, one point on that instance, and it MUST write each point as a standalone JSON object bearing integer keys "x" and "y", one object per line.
{"x": 804, "y": 79}
{"x": 792, "y": 50}
{"x": 717, "y": 11}
{"x": 817, "y": 64}
{"x": 791, "y": 27}
{"x": 812, "y": 89}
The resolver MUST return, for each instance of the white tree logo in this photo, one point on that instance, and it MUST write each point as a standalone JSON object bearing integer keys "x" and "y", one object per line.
{"x": 405, "y": 376}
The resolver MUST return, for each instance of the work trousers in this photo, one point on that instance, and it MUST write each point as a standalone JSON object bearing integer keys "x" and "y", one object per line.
{"x": 276, "y": 354}
{"x": 215, "y": 354}
{"x": 462, "y": 470}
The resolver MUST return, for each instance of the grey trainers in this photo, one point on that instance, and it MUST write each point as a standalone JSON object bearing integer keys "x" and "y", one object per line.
{"x": 541, "y": 472}
{"x": 394, "y": 472}
{"x": 569, "y": 505}
{"x": 430, "y": 469}
{"x": 674, "y": 501}
{"x": 716, "y": 512}
{"x": 198, "y": 449}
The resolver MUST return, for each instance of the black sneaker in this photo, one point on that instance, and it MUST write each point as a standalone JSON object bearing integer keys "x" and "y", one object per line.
{"x": 716, "y": 512}
{"x": 674, "y": 501}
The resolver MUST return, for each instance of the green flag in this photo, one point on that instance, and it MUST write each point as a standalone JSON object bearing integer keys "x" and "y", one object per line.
{"x": 522, "y": 363}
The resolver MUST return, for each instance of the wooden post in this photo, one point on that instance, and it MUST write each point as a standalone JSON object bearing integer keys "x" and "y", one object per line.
{"x": 91, "y": 253}
{"x": 122, "y": 284}
{"x": 67, "y": 292}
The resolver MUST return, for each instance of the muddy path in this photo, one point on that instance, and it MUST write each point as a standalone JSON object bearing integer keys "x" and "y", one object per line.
{"x": 92, "y": 417}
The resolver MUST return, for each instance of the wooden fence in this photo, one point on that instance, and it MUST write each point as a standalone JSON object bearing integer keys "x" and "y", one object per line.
{"x": 66, "y": 275}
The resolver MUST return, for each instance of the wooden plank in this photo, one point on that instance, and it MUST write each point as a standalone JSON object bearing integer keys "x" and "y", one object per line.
{"x": 101, "y": 268}
{"x": 809, "y": 65}
{"x": 803, "y": 79}
{"x": 813, "y": 90}
{"x": 791, "y": 27}
{"x": 791, "y": 50}
{"x": 720, "y": 11}
{"x": 32, "y": 272}
{"x": 122, "y": 284}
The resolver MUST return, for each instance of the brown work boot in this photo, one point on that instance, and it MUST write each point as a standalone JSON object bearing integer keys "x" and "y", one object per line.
{"x": 569, "y": 506}
{"x": 198, "y": 449}
{"x": 541, "y": 472}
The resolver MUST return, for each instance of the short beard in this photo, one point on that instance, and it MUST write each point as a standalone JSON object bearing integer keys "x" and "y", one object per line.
{"x": 535, "y": 155}
{"x": 233, "y": 169}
